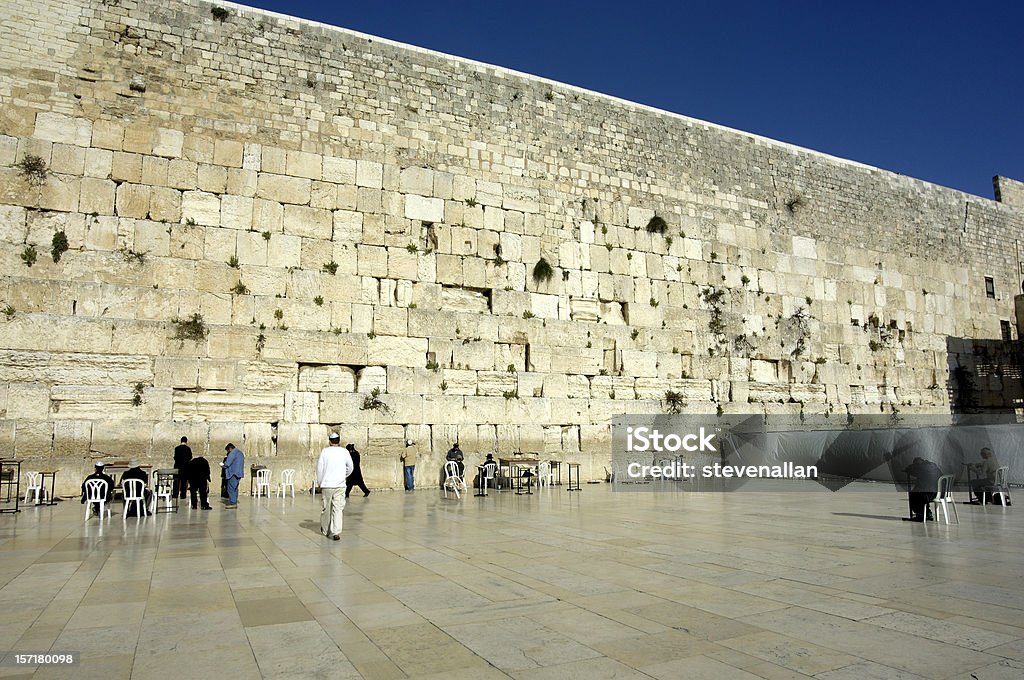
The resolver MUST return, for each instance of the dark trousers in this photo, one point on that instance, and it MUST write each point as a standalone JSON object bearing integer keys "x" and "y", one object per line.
{"x": 358, "y": 481}
{"x": 203, "y": 489}
{"x": 179, "y": 486}
{"x": 918, "y": 501}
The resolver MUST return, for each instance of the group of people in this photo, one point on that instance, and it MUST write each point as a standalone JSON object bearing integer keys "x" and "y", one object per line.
{"x": 193, "y": 475}
{"x": 925, "y": 475}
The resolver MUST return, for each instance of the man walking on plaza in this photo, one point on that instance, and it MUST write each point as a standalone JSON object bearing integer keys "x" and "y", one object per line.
{"x": 332, "y": 469}
{"x": 234, "y": 470}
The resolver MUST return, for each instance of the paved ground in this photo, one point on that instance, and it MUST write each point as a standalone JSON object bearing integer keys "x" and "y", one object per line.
{"x": 589, "y": 585}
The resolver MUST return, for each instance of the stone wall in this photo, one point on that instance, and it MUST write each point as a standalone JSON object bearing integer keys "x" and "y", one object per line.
{"x": 358, "y": 226}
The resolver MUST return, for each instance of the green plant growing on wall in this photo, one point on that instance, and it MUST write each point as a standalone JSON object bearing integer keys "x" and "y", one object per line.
{"x": 470, "y": 202}
{"x": 233, "y": 262}
{"x": 220, "y": 13}
{"x": 527, "y": 314}
{"x": 192, "y": 328}
{"x": 714, "y": 255}
{"x": 744, "y": 279}
{"x": 432, "y": 365}
{"x": 714, "y": 299}
{"x": 511, "y": 368}
{"x": 132, "y": 256}
{"x": 331, "y": 268}
{"x": 444, "y": 385}
{"x": 657, "y": 225}
{"x": 137, "y": 394}
{"x": 266, "y": 235}
{"x": 261, "y": 339}
{"x": 654, "y": 302}
{"x": 511, "y": 394}
{"x": 58, "y": 245}
{"x": 32, "y": 169}
{"x": 795, "y": 202}
{"x": 542, "y": 272}
{"x": 240, "y": 289}
{"x": 29, "y": 256}
{"x": 9, "y": 311}
{"x": 318, "y": 301}
{"x": 674, "y": 402}
{"x": 373, "y": 402}
{"x": 634, "y": 334}
{"x": 412, "y": 248}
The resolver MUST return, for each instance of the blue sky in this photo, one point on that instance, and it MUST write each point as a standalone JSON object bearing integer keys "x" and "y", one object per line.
{"x": 934, "y": 90}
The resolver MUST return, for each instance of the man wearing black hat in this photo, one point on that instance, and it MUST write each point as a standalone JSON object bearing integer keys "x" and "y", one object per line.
{"x": 182, "y": 456}
{"x": 332, "y": 469}
{"x": 107, "y": 479}
{"x": 199, "y": 481}
{"x": 356, "y": 478}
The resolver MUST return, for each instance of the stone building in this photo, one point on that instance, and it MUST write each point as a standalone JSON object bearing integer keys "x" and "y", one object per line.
{"x": 232, "y": 225}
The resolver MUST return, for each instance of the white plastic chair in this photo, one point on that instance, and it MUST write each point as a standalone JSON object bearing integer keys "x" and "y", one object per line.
{"x": 34, "y": 485}
{"x": 452, "y": 480}
{"x": 1000, "y": 487}
{"x": 287, "y": 481}
{"x": 544, "y": 476}
{"x": 164, "y": 489}
{"x": 134, "y": 492}
{"x": 96, "y": 492}
{"x": 944, "y": 497}
{"x": 262, "y": 483}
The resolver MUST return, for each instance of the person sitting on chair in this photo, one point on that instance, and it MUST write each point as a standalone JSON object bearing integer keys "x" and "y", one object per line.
{"x": 490, "y": 469}
{"x": 99, "y": 474}
{"x": 135, "y": 471}
{"x": 926, "y": 478}
{"x": 986, "y": 471}
{"x": 455, "y": 453}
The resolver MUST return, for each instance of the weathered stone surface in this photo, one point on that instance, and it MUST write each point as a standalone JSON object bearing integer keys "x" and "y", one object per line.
{"x": 220, "y": 405}
{"x": 74, "y": 368}
{"x": 327, "y": 379}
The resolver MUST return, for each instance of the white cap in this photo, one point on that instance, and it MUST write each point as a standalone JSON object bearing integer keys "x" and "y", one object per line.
{"x": 98, "y": 463}
{"x": 409, "y": 442}
{"x": 334, "y": 437}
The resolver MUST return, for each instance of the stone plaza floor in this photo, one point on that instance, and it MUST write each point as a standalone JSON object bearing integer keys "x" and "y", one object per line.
{"x": 595, "y": 584}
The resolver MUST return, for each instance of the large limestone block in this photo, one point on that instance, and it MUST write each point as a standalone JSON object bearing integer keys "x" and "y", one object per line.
{"x": 474, "y": 355}
{"x": 201, "y": 208}
{"x": 497, "y": 384}
{"x": 388, "y": 350}
{"x": 423, "y": 209}
{"x": 544, "y": 306}
{"x": 416, "y": 180}
{"x": 372, "y": 378}
{"x": 56, "y": 127}
{"x": 463, "y": 300}
{"x": 269, "y": 376}
{"x": 219, "y": 405}
{"x": 284, "y": 189}
{"x": 168, "y": 143}
{"x": 75, "y": 368}
{"x": 768, "y": 392}
{"x": 314, "y": 347}
{"x": 28, "y": 401}
{"x": 373, "y": 261}
{"x": 93, "y": 402}
{"x": 369, "y": 174}
{"x": 303, "y": 164}
{"x": 402, "y": 264}
{"x": 33, "y": 439}
{"x": 327, "y": 379}
{"x": 308, "y": 222}
{"x": 302, "y": 407}
{"x": 180, "y": 372}
{"x": 72, "y": 438}
{"x": 217, "y": 374}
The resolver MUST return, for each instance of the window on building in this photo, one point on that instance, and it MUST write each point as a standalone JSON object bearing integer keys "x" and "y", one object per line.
{"x": 1004, "y": 327}
{"x": 990, "y": 287}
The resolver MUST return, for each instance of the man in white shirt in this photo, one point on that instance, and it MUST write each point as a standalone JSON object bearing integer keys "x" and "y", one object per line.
{"x": 334, "y": 466}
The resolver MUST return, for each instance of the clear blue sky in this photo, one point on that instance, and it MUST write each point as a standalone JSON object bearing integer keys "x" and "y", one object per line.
{"x": 934, "y": 90}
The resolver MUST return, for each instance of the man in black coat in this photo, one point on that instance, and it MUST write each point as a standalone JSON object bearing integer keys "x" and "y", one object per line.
{"x": 926, "y": 478}
{"x": 356, "y": 478}
{"x": 135, "y": 471}
{"x": 182, "y": 456}
{"x": 199, "y": 481}
{"x": 107, "y": 479}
